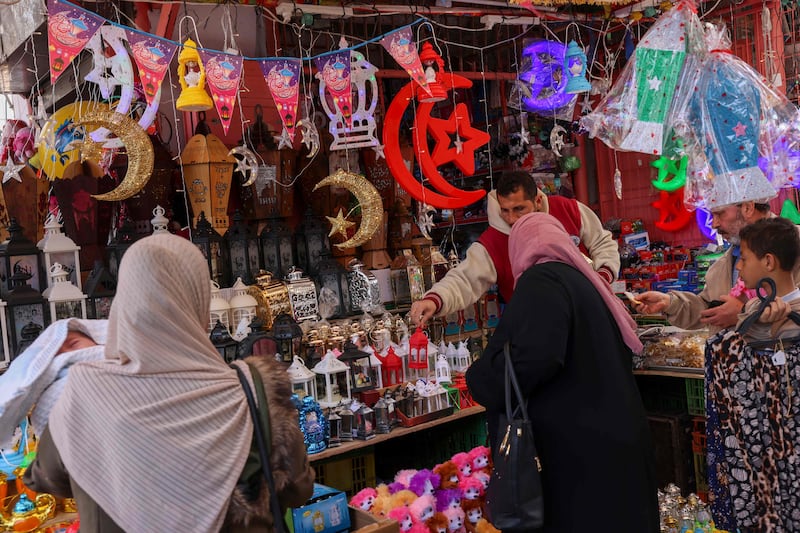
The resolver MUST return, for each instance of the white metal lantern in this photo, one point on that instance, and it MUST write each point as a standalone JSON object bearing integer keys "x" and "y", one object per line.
{"x": 58, "y": 248}
{"x": 333, "y": 377}
{"x": 243, "y": 305}
{"x": 159, "y": 222}
{"x": 66, "y": 300}
{"x": 5, "y": 357}
{"x": 377, "y": 365}
{"x": 452, "y": 355}
{"x": 463, "y": 357}
{"x": 219, "y": 310}
{"x": 303, "y": 382}
{"x": 442, "y": 369}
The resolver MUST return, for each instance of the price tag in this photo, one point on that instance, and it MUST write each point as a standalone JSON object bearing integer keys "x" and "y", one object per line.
{"x": 779, "y": 358}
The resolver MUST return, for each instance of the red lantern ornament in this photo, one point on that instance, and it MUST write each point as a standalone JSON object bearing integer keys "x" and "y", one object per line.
{"x": 418, "y": 350}
{"x": 433, "y": 65}
{"x": 673, "y": 215}
{"x": 391, "y": 369}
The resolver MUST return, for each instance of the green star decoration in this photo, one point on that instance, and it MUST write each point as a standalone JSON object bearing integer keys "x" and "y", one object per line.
{"x": 669, "y": 167}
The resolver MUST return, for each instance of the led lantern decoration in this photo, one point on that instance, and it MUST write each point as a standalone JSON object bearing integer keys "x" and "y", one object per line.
{"x": 418, "y": 355}
{"x": 243, "y": 306}
{"x": 303, "y": 382}
{"x": 124, "y": 239}
{"x": 277, "y": 247}
{"x": 101, "y": 287}
{"x": 575, "y": 69}
{"x": 159, "y": 222}
{"x": 219, "y": 310}
{"x": 66, "y": 300}
{"x": 214, "y": 250}
{"x": 288, "y": 336}
{"x": 312, "y": 242}
{"x": 442, "y": 369}
{"x": 365, "y": 423}
{"x": 26, "y": 310}
{"x": 348, "y": 421}
{"x": 382, "y": 422}
{"x": 377, "y": 367}
{"x": 452, "y": 355}
{"x": 362, "y": 374}
{"x": 463, "y": 357}
{"x": 58, "y": 248}
{"x": 313, "y": 424}
{"x": 272, "y": 297}
{"x": 18, "y": 253}
{"x": 433, "y": 65}
{"x": 362, "y": 286}
{"x": 192, "y": 77}
{"x": 208, "y": 172}
{"x": 223, "y": 342}
{"x": 302, "y": 295}
{"x": 333, "y": 377}
{"x": 243, "y": 247}
{"x": 332, "y": 275}
{"x": 334, "y": 428}
{"x": 5, "y": 357}
{"x": 545, "y": 80}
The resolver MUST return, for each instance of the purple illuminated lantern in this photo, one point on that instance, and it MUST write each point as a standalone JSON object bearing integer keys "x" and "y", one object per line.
{"x": 545, "y": 78}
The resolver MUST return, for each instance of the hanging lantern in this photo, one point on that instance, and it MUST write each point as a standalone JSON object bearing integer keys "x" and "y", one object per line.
{"x": 575, "y": 69}
{"x": 277, "y": 247}
{"x": 58, "y": 248}
{"x": 287, "y": 335}
{"x": 272, "y": 298}
{"x": 365, "y": 423}
{"x": 408, "y": 279}
{"x": 433, "y": 64}
{"x": 66, "y": 300}
{"x": 19, "y": 254}
{"x": 362, "y": 375}
{"x": 303, "y": 382}
{"x": 302, "y": 295}
{"x": 192, "y": 77}
{"x": 418, "y": 355}
{"x": 26, "y": 311}
{"x": 219, "y": 310}
{"x": 208, "y": 170}
{"x": 363, "y": 288}
{"x": 243, "y": 306}
{"x": 101, "y": 287}
{"x": 159, "y": 222}
{"x": 243, "y": 247}
{"x": 332, "y": 275}
{"x": 442, "y": 369}
{"x": 214, "y": 250}
{"x": 312, "y": 242}
{"x": 333, "y": 377}
{"x": 392, "y": 369}
{"x": 124, "y": 239}
{"x": 223, "y": 342}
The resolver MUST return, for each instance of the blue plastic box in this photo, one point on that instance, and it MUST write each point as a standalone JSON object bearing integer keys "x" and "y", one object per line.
{"x": 325, "y": 512}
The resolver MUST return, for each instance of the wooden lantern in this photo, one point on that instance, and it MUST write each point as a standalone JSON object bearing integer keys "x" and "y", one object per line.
{"x": 208, "y": 169}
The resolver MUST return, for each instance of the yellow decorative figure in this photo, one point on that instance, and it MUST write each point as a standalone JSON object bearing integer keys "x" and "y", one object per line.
{"x": 61, "y": 139}
{"x": 192, "y": 77}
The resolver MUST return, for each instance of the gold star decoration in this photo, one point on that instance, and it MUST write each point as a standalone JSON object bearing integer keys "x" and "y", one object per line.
{"x": 339, "y": 224}
{"x": 91, "y": 150}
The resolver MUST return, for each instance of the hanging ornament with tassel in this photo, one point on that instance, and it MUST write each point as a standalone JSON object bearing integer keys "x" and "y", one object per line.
{"x": 617, "y": 178}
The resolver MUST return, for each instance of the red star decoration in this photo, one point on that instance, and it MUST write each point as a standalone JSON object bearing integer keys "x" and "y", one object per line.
{"x": 471, "y": 140}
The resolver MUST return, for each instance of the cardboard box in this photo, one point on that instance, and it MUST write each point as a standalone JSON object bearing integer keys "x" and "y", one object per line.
{"x": 326, "y": 512}
{"x": 363, "y": 522}
{"x": 640, "y": 241}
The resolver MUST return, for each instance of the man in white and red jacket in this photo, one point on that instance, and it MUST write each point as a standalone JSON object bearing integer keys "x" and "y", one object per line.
{"x": 487, "y": 260}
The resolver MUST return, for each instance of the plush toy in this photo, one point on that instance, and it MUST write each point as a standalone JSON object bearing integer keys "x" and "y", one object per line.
{"x": 471, "y": 488}
{"x": 455, "y": 520}
{"x": 446, "y": 498}
{"x": 481, "y": 458}
{"x": 406, "y": 520}
{"x": 437, "y": 523}
{"x": 464, "y": 464}
{"x": 484, "y": 478}
{"x": 484, "y": 526}
{"x": 448, "y": 474}
{"x": 473, "y": 511}
{"x": 424, "y": 482}
{"x": 10, "y": 129}
{"x": 365, "y": 499}
{"x": 423, "y": 508}
{"x": 23, "y": 146}
{"x": 383, "y": 501}
{"x": 401, "y": 480}
{"x": 402, "y": 497}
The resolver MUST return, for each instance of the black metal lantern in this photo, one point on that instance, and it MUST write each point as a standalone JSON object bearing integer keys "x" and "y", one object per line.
{"x": 362, "y": 373}
{"x": 214, "y": 250}
{"x": 20, "y": 253}
{"x": 382, "y": 423}
{"x": 277, "y": 247}
{"x": 288, "y": 336}
{"x": 348, "y": 425}
{"x": 257, "y": 342}
{"x": 124, "y": 239}
{"x": 334, "y": 428}
{"x": 101, "y": 287}
{"x": 365, "y": 423}
{"x": 333, "y": 276}
{"x": 26, "y": 311}
{"x": 243, "y": 248}
{"x": 223, "y": 342}
{"x": 312, "y": 242}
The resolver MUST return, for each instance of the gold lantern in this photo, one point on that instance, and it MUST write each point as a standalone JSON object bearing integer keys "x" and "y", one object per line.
{"x": 192, "y": 77}
{"x": 208, "y": 170}
{"x": 272, "y": 297}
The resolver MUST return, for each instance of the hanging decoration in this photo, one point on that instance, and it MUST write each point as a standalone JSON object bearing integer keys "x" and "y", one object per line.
{"x": 247, "y": 166}
{"x": 310, "y": 136}
{"x": 671, "y": 173}
{"x": 672, "y": 215}
{"x": 137, "y": 145}
{"x": 557, "y": 135}
{"x": 462, "y": 155}
{"x": 333, "y": 73}
{"x": 222, "y": 74}
{"x": 208, "y": 169}
{"x": 110, "y": 71}
{"x": 192, "y": 77}
{"x": 60, "y": 138}
{"x": 152, "y": 56}
{"x": 369, "y": 201}
{"x": 782, "y": 166}
{"x": 69, "y": 28}
{"x": 705, "y": 223}
{"x": 542, "y": 86}
{"x": 789, "y": 210}
{"x": 575, "y": 69}
{"x": 400, "y": 45}
{"x": 283, "y": 80}
{"x": 433, "y": 64}
{"x": 11, "y": 170}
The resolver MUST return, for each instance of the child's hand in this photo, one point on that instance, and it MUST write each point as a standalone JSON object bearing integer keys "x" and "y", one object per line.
{"x": 775, "y": 312}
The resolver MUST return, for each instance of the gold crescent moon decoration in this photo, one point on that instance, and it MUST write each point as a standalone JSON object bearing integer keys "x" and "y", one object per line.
{"x": 369, "y": 200}
{"x": 137, "y": 145}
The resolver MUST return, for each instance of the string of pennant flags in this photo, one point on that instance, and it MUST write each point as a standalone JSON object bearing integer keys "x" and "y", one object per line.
{"x": 70, "y": 28}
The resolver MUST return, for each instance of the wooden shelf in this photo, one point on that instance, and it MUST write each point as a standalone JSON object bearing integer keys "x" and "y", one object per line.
{"x": 693, "y": 373}
{"x": 348, "y": 447}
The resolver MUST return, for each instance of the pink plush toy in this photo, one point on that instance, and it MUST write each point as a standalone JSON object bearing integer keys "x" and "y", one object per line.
{"x": 24, "y": 145}
{"x": 402, "y": 479}
{"x": 365, "y": 499}
{"x": 455, "y": 520}
{"x": 481, "y": 458}
{"x": 407, "y": 522}
{"x": 423, "y": 508}
{"x": 484, "y": 478}
{"x": 424, "y": 482}
{"x": 464, "y": 464}
{"x": 471, "y": 488}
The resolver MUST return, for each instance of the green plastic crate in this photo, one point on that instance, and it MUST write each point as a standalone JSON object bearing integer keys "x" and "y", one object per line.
{"x": 696, "y": 396}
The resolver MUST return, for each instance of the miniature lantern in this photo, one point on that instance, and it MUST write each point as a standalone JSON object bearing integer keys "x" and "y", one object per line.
{"x": 272, "y": 297}
{"x": 214, "y": 250}
{"x": 334, "y": 429}
{"x": 333, "y": 377}
{"x": 392, "y": 369}
{"x": 442, "y": 369}
{"x": 434, "y": 71}
{"x": 382, "y": 423}
{"x": 100, "y": 289}
{"x": 208, "y": 170}
{"x": 159, "y": 222}
{"x": 303, "y": 382}
{"x": 19, "y": 254}
{"x": 361, "y": 372}
{"x": 124, "y": 239}
{"x": 26, "y": 311}
{"x": 192, "y": 77}
{"x": 5, "y": 357}
{"x": 58, "y": 248}
{"x": 257, "y": 342}
{"x": 362, "y": 285}
{"x": 288, "y": 336}
{"x": 418, "y": 354}
{"x": 313, "y": 425}
{"x": 575, "y": 69}
{"x": 348, "y": 422}
{"x": 302, "y": 295}
{"x": 365, "y": 423}
{"x": 332, "y": 275}
{"x": 463, "y": 358}
{"x": 243, "y": 305}
{"x": 277, "y": 247}
{"x": 219, "y": 310}
{"x": 315, "y": 347}
{"x": 335, "y": 340}
{"x": 66, "y": 300}
{"x": 243, "y": 247}
{"x": 312, "y": 241}
{"x": 223, "y": 342}
{"x": 377, "y": 367}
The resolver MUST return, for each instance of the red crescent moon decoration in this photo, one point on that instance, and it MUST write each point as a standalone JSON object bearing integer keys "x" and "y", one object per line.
{"x": 450, "y": 197}
{"x": 672, "y": 215}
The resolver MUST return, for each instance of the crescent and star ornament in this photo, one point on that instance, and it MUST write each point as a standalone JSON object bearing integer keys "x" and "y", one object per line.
{"x": 369, "y": 200}
{"x": 310, "y": 136}
{"x": 557, "y": 139}
{"x": 137, "y": 145}
{"x": 285, "y": 140}
{"x": 339, "y": 224}
{"x": 247, "y": 166}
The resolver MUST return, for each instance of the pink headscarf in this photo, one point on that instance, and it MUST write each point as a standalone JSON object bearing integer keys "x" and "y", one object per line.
{"x": 539, "y": 238}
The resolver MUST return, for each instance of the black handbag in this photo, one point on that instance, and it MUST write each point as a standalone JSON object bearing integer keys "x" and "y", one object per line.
{"x": 514, "y": 497}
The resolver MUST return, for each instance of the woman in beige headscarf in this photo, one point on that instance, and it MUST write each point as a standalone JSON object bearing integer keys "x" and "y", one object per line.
{"x": 154, "y": 437}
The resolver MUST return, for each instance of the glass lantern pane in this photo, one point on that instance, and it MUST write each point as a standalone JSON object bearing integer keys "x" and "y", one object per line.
{"x": 4, "y": 286}
{"x": 340, "y": 385}
{"x": 28, "y": 263}
{"x": 300, "y": 389}
{"x": 253, "y": 257}
{"x": 287, "y": 258}
{"x": 238, "y": 260}
{"x": 102, "y": 306}
{"x": 67, "y": 260}
{"x": 25, "y": 315}
{"x": 321, "y": 390}
{"x": 271, "y": 263}
{"x": 361, "y": 372}
{"x": 69, "y": 309}
{"x": 216, "y": 268}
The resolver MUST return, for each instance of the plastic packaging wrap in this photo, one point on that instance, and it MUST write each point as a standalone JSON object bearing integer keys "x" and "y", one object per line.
{"x": 541, "y": 85}
{"x": 632, "y": 116}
